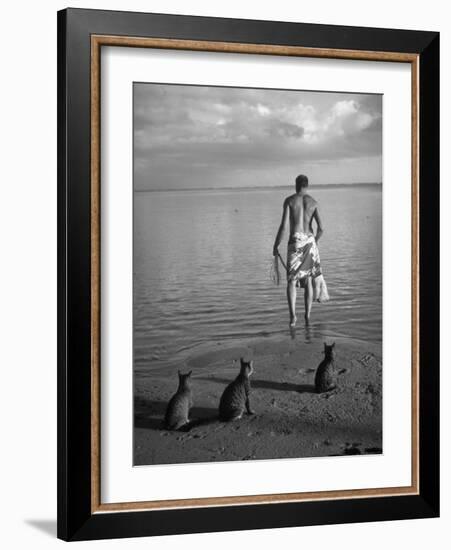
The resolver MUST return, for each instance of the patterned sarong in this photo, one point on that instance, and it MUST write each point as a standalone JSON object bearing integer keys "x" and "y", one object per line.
{"x": 303, "y": 261}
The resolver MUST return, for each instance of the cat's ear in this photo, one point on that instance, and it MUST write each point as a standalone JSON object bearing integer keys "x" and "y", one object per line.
{"x": 333, "y": 345}
{"x": 190, "y": 373}
{"x": 325, "y": 346}
{"x": 241, "y": 360}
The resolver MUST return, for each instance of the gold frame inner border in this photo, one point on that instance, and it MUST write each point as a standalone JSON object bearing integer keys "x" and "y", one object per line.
{"x": 97, "y": 41}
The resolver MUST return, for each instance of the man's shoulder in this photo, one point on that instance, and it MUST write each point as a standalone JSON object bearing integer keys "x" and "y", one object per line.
{"x": 289, "y": 199}
{"x": 310, "y": 200}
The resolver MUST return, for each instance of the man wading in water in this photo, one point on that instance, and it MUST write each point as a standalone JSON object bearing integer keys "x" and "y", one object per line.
{"x": 303, "y": 263}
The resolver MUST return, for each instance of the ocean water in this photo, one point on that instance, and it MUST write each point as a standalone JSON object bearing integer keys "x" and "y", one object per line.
{"x": 202, "y": 270}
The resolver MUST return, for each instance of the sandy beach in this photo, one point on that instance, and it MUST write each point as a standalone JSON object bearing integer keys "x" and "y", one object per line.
{"x": 291, "y": 419}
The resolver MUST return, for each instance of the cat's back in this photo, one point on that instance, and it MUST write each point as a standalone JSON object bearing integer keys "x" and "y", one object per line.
{"x": 235, "y": 392}
{"x": 177, "y": 410}
{"x": 324, "y": 378}
{"x": 233, "y": 398}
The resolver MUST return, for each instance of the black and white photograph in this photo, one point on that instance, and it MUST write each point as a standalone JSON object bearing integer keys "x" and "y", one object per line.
{"x": 225, "y": 254}
{"x": 257, "y": 273}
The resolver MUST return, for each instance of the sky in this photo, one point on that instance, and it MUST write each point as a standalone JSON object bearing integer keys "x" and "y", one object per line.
{"x": 210, "y": 137}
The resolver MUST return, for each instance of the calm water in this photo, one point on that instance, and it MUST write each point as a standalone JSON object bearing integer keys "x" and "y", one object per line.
{"x": 202, "y": 270}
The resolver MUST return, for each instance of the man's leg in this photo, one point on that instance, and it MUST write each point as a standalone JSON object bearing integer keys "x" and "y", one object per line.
{"x": 308, "y": 298}
{"x": 291, "y": 296}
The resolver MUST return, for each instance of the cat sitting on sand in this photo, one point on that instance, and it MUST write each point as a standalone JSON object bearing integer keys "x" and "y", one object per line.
{"x": 177, "y": 412}
{"x": 326, "y": 374}
{"x": 235, "y": 399}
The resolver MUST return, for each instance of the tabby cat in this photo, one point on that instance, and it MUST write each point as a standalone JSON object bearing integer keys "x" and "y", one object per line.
{"x": 326, "y": 377}
{"x": 177, "y": 412}
{"x": 235, "y": 399}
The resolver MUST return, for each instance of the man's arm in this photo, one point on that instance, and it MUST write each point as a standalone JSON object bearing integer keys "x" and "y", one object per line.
{"x": 319, "y": 225}
{"x": 282, "y": 227}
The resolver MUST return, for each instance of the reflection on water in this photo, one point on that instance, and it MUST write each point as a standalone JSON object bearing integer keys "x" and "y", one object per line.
{"x": 202, "y": 270}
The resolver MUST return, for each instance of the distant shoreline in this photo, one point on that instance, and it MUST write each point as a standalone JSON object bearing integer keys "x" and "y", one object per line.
{"x": 259, "y": 187}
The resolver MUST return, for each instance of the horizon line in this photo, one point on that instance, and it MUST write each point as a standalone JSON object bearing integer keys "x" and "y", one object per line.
{"x": 255, "y": 187}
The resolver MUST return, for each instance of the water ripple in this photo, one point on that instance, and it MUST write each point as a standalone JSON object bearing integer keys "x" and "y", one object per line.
{"x": 197, "y": 288}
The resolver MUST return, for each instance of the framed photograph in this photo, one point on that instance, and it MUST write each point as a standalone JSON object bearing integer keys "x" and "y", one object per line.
{"x": 248, "y": 274}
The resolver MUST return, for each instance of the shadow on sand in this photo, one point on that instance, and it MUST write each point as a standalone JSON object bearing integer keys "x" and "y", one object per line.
{"x": 269, "y": 385}
{"x": 149, "y": 415}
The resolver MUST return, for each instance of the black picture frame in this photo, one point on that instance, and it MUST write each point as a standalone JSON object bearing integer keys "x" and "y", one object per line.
{"x": 76, "y": 521}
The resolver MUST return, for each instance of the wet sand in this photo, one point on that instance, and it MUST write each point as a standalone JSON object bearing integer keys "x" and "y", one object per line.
{"x": 291, "y": 419}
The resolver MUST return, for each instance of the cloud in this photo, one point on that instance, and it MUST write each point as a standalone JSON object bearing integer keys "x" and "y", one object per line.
{"x": 286, "y": 130}
{"x": 194, "y": 130}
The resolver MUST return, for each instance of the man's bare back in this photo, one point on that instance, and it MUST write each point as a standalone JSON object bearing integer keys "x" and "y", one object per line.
{"x": 302, "y": 208}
